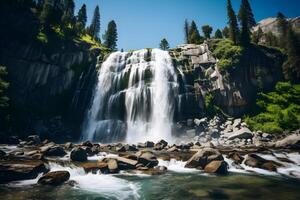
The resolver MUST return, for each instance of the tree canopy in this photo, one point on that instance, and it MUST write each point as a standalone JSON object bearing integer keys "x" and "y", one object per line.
{"x": 164, "y": 44}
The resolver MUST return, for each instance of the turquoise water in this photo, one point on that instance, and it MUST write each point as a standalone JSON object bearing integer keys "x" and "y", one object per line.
{"x": 168, "y": 186}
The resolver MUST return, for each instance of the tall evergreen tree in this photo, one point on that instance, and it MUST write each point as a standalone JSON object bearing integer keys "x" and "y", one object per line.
{"x": 232, "y": 22}
{"x": 244, "y": 17}
{"x": 283, "y": 27}
{"x": 95, "y": 25}
{"x": 225, "y": 32}
{"x": 218, "y": 34}
{"x": 111, "y": 36}
{"x": 164, "y": 44}
{"x": 51, "y": 13}
{"x": 248, "y": 12}
{"x": 257, "y": 36}
{"x": 81, "y": 16}
{"x": 68, "y": 16}
{"x": 207, "y": 30}
{"x": 186, "y": 31}
{"x": 194, "y": 35}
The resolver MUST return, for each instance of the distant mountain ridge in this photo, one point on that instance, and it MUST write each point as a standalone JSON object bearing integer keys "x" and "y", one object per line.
{"x": 271, "y": 24}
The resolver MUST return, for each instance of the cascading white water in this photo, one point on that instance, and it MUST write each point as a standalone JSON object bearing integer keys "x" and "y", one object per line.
{"x": 140, "y": 87}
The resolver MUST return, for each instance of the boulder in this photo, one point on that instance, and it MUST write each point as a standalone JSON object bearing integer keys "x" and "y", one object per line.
{"x": 217, "y": 166}
{"x": 243, "y": 133}
{"x": 20, "y": 169}
{"x": 2, "y": 154}
{"x": 78, "y": 154}
{"x": 237, "y": 123}
{"x": 256, "y": 161}
{"x": 149, "y": 144}
{"x": 87, "y": 144}
{"x": 54, "y": 178}
{"x": 125, "y": 163}
{"x": 55, "y": 151}
{"x": 112, "y": 165}
{"x": 236, "y": 157}
{"x": 33, "y": 140}
{"x": 203, "y": 157}
{"x": 147, "y": 158}
{"x": 291, "y": 141}
{"x": 69, "y": 145}
{"x": 163, "y": 143}
{"x": 173, "y": 149}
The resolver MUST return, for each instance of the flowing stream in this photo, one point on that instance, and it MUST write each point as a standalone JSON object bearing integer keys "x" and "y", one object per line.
{"x": 134, "y": 99}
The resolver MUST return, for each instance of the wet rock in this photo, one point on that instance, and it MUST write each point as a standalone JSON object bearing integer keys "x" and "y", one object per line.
{"x": 125, "y": 163}
{"x": 236, "y": 157}
{"x": 54, "y": 178}
{"x": 147, "y": 158}
{"x": 203, "y": 157}
{"x": 78, "y": 154}
{"x": 130, "y": 147}
{"x": 33, "y": 140}
{"x": 69, "y": 145}
{"x": 95, "y": 149}
{"x": 218, "y": 167}
{"x": 87, "y": 144}
{"x": 20, "y": 169}
{"x": 243, "y": 133}
{"x": 163, "y": 143}
{"x": 198, "y": 122}
{"x": 256, "y": 161}
{"x": 291, "y": 141}
{"x": 237, "y": 123}
{"x": 2, "y": 154}
{"x": 112, "y": 165}
{"x": 173, "y": 149}
{"x": 121, "y": 149}
{"x": 55, "y": 151}
{"x": 149, "y": 144}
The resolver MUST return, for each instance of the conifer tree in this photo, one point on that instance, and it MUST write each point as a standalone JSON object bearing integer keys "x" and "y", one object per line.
{"x": 186, "y": 31}
{"x": 218, "y": 34}
{"x": 232, "y": 22}
{"x": 95, "y": 25}
{"x": 248, "y": 12}
{"x": 111, "y": 36}
{"x": 164, "y": 44}
{"x": 225, "y": 32}
{"x": 81, "y": 16}
{"x": 51, "y": 13}
{"x": 283, "y": 27}
{"x": 68, "y": 16}
{"x": 245, "y": 23}
{"x": 3, "y": 87}
{"x": 194, "y": 35}
{"x": 257, "y": 35}
{"x": 207, "y": 30}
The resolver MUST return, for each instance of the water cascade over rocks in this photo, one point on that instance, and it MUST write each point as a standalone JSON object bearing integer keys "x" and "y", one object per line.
{"x": 134, "y": 99}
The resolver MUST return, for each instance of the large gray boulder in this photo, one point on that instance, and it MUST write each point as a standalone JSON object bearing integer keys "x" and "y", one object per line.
{"x": 146, "y": 158}
{"x": 256, "y": 161}
{"x": 54, "y": 178}
{"x": 291, "y": 141}
{"x": 203, "y": 157}
{"x": 243, "y": 133}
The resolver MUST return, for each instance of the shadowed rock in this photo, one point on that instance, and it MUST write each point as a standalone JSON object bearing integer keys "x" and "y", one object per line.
{"x": 54, "y": 178}
{"x": 78, "y": 154}
{"x": 217, "y": 166}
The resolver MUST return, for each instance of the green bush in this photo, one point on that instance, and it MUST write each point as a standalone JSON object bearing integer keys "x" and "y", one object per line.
{"x": 279, "y": 110}
{"x": 229, "y": 55}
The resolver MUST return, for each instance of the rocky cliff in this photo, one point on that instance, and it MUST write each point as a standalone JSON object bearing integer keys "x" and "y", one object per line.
{"x": 233, "y": 92}
{"x": 49, "y": 91}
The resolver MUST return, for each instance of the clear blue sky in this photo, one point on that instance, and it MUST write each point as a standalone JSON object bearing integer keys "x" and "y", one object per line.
{"x": 143, "y": 23}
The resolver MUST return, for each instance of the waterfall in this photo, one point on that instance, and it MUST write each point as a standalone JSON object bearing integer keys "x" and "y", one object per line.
{"x": 134, "y": 99}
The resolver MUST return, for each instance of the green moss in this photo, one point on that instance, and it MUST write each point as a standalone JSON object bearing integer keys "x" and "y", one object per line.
{"x": 42, "y": 37}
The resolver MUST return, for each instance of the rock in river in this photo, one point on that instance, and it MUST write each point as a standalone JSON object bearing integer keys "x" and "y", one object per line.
{"x": 54, "y": 178}
{"x": 203, "y": 157}
{"x": 78, "y": 154}
{"x": 217, "y": 166}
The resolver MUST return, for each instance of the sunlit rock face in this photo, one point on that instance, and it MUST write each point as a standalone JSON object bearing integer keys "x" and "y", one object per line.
{"x": 135, "y": 98}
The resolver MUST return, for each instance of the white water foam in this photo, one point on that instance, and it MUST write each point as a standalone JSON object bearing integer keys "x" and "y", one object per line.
{"x": 176, "y": 166}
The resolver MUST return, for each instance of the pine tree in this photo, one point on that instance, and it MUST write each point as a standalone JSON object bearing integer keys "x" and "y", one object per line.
{"x": 51, "y": 14}
{"x": 283, "y": 27}
{"x": 186, "y": 31}
{"x": 257, "y": 35}
{"x": 194, "y": 35}
{"x": 207, "y": 30}
{"x": 111, "y": 36}
{"x": 245, "y": 23}
{"x": 291, "y": 67}
{"x": 232, "y": 22}
{"x": 270, "y": 39}
{"x": 164, "y": 44}
{"x": 81, "y": 16}
{"x": 95, "y": 25}
{"x": 225, "y": 32}
{"x": 68, "y": 16}
{"x": 218, "y": 34}
{"x": 248, "y": 12}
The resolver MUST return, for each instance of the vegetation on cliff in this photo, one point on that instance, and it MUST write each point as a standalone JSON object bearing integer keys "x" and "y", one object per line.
{"x": 278, "y": 110}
